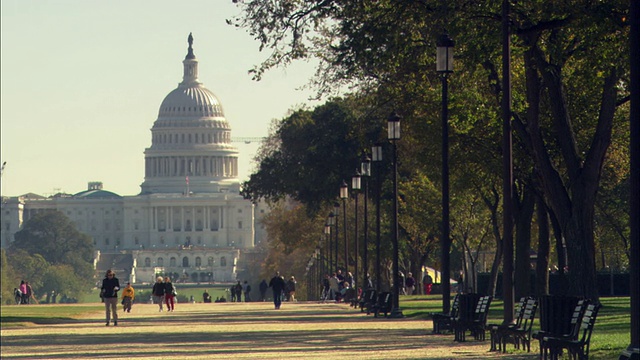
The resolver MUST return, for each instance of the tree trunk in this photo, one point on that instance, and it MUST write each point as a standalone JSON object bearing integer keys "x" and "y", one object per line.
{"x": 524, "y": 215}
{"x": 495, "y": 266}
{"x": 542, "y": 262}
{"x": 571, "y": 192}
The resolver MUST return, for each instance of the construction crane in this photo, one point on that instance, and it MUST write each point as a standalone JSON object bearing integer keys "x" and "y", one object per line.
{"x": 247, "y": 140}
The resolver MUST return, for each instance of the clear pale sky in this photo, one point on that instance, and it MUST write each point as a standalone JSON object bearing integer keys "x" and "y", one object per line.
{"x": 82, "y": 82}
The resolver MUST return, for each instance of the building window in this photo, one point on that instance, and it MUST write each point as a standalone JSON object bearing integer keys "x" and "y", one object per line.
{"x": 239, "y": 224}
{"x": 136, "y": 240}
{"x": 160, "y": 262}
{"x": 198, "y": 261}
{"x": 185, "y": 262}
{"x": 106, "y": 241}
{"x": 172, "y": 262}
{"x": 239, "y": 211}
{"x": 147, "y": 262}
{"x": 223, "y": 261}
{"x": 210, "y": 261}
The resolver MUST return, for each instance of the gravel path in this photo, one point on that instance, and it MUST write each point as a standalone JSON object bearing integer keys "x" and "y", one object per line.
{"x": 241, "y": 331}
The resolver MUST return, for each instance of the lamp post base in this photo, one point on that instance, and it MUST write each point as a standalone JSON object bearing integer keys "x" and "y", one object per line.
{"x": 396, "y": 313}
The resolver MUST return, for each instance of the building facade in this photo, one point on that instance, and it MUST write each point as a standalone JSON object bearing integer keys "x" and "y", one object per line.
{"x": 189, "y": 218}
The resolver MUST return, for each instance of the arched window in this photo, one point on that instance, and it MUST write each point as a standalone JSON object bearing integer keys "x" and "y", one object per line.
{"x": 160, "y": 261}
{"x": 210, "y": 261}
{"x": 147, "y": 262}
{"x": 185, "y": 262}
{"x": 198, "y": 261}
{"x": 223, "y": 261}
{"x": 172, "y": 262}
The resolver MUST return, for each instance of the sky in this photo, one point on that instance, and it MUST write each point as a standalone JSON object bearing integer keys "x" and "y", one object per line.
{"x": 82, "y": 82}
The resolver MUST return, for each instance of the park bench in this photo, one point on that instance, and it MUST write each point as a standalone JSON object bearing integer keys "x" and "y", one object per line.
{"x": 494, "y": 329}
{"x": 349, "y": 296}
{"x": 578, "y": 348}
{"x": 574, "y": 329}
{"x": 383, "y": 305}
{"x": 442, "y": 321}
{"x": 520, "y": 334}
{"x": 367, "y": 299}
{"x": 474, "y": 322}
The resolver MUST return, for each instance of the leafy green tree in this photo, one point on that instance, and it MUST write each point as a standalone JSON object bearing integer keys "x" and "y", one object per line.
{"x": 312, "y": 153}
{"x": 570, "y": 79}
{"x": 9, "y": 279}
{"x": 50, "y": 242}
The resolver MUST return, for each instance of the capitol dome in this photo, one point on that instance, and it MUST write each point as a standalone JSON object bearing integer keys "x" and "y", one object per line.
{"x": 191, "y": 150}
{"x": 191, "y": 101}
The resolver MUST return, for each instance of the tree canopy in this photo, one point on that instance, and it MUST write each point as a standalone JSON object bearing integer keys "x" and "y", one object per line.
{"x": 570, "y": 87}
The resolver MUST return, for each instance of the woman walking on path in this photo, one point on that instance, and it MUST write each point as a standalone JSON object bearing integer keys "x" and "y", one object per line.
{"x": 109, "y": 292}
{"x": 169, "y": 293}
{"x": 128, "y": 294}
{"x": 278, "y": 285}
{"x": 158, "y": 291}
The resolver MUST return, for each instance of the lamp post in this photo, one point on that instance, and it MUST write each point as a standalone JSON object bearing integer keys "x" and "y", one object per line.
{"x": 394, "y": 135}
{"x": 355, "y": 186}
{"x": 327, "y": 248}
{"x": 365, "y": 172}
{"x": 444, "y": 66}
{"x": 336, "y": 212}
{"x": 344, "y": 195}
{"x": 331, "y": 222}
{"x": 376, "y": 157}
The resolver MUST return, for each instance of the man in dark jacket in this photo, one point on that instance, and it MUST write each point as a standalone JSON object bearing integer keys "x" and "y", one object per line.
{"x": 109, "y": 292}
{"x": 278, "y": 285}
{"x": 263, "y": 289}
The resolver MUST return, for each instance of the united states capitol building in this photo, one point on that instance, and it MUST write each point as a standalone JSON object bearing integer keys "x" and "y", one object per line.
{"x": 189, "y": 219}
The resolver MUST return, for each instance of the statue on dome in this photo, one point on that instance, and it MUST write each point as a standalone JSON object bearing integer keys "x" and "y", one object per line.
{"x": 190, "y": 54}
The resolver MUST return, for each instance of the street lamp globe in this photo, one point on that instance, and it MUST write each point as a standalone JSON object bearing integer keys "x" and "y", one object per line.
{"x": 356, "y": 181}
{"x": 344, "y": 191}
{"x": 365, "y": 166}
{"x": 393, "y": 127}
{"x": 444, "y": 54}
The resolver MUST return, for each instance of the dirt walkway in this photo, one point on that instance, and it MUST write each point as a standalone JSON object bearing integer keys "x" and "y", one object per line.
{"x": 241, "y": 331}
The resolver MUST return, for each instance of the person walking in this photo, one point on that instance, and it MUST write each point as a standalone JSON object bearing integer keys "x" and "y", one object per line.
{"x": 30, "y": 294}
{"x": 128, "y": 294}
{"x": 334, "y": 286}
{"x": 428, "y": 283}
{"x": 169, "y": 293}
{"x": 278, "y": 285}
{"x": 291, "y": 289}
{"x": 158, "y": 292}
{"x": 238, "y": 288}
{"x": 23, "y": 292}
{"x": 247, "y": 291}
{"x": 263, "y": 289}
{"x": 410, "y": 284}
{"x": 109, "y": 293}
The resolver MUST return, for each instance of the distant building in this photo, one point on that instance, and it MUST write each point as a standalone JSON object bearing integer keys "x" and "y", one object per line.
{"x": 189, "y": 219}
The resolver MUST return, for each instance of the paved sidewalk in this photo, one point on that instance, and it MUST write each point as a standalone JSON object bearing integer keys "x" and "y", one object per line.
{"x": 241, "y": 331}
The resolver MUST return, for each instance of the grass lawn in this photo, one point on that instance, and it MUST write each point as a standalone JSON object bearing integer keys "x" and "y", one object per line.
{"x": 610, "y": 336}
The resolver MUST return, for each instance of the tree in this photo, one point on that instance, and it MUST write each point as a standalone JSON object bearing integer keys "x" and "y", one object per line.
{"x": 49, "y": 244}
{"x": 9, "y": 278}
{"x": 571, "y": 66}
